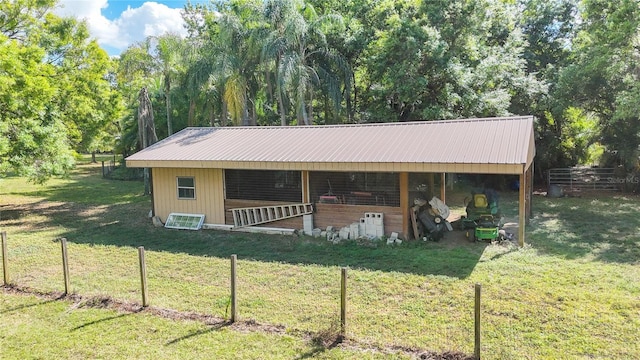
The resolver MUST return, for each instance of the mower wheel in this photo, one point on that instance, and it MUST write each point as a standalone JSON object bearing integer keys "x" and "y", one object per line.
{"x": 471, "y": 235}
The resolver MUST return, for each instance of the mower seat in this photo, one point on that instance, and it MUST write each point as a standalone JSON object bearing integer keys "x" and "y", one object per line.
{"x": 480, "y": 201}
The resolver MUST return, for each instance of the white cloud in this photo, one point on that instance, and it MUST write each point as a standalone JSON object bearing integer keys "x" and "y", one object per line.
{"x": 134, "y": 24}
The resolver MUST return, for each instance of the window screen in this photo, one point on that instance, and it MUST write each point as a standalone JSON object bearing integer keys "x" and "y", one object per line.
{"x": 355, "y": 188}
{"x": 269, "y": 185}
{"x": 186, "y": 188}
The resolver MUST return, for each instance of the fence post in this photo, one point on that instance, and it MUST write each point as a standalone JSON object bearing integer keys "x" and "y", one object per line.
{"x": 343, "y": 302}
{"x": 476, "y": 350}
{"x": 143, "y": 276}
{"x": 234, "y": 299}
{"x": 5, "y": 260}
{"x": 65, "y": 265}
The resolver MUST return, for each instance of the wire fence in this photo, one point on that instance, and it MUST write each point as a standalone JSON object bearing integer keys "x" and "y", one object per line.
{"x": 351, "y": 304}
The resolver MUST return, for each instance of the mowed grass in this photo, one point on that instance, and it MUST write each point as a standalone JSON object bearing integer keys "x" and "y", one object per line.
{"x": 572, "y": 292}
{"x": 45, "y": 329}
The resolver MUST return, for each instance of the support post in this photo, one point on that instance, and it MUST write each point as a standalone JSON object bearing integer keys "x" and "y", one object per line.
{"x": 143, "y": 276}
{"x": 404, "y": 203}
{"x": 65, "y": 266}
{"x": 343, "y": 302}
{"x": 530, "y": 174}
{"x": 443, "y": 187}
{"x": 234, "y": 299}
{"x": 306, "y": 197}
{"x": 5, "y": 260}
{"x": 522, "y": 208}
{"x": 476, "y": 349}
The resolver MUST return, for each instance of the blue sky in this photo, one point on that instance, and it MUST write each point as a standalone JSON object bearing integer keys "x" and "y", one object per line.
{"x": 116, "y": 24}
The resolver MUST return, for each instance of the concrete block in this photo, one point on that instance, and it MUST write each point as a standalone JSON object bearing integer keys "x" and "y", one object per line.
{"x": 344, "y": 233}
{"x": 307, "y": 221}
{"x": 354, "y": 232}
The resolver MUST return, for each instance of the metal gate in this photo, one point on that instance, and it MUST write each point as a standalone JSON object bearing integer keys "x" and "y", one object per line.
{"x": 587, "y": 179}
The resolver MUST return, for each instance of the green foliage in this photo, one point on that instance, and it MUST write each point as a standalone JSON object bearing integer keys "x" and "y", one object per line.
{"x": 55, "y": 94}
{"x": 33, "y": 139}
{"x": 572, "y": 64}
{"x": 603, "y": 76}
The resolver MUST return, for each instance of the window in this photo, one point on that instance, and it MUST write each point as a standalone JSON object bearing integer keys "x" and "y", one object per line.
{"x": 186, "y": 188}
{"x": 184, "y": 221}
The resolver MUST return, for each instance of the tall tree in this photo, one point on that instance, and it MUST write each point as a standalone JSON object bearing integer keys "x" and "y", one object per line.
{"x": 169, "y": 58}
{"x": 55, "y": 91}
{"x": 604, "y": 75}
{"x": 298, "y": 46}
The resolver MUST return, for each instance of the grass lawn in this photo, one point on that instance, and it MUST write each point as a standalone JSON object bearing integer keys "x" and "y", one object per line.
{"x": 572, "y": 292}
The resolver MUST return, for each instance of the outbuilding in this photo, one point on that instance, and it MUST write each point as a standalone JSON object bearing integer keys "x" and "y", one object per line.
{"x": 339, "y": 172}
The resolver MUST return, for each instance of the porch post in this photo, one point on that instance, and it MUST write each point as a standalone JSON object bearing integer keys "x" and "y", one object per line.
{"x": 529, "y": 192}
{"x": 306, "y": 197}
{"x": 404, "y": 203}
{"x": 522, "y": 207}
{"x": 443, "y": 187}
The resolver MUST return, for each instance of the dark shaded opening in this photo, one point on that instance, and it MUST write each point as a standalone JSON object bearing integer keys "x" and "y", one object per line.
{"x": 355, "y": 188}
{"x": 269, "y": 185}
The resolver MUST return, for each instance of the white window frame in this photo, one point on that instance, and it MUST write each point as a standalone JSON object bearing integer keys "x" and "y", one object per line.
{"x": 178, "y": 187}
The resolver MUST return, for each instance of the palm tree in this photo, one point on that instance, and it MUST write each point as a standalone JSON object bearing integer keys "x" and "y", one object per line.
{"x": 169, "y": 60}
{"x": 297, "y": 46}
{"x": 236, "y": 51}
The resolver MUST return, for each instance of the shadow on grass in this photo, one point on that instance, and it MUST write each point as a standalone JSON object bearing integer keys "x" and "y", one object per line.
{"x": 127, "y": 225}
{"x": 210, "y": 329}
{"x": 26, "y": 306}
{"x": 96, "y": 211}
{"x": 110, "y": 318}
{"x": 602, "y": 227}
{"x": 314, "y": 352}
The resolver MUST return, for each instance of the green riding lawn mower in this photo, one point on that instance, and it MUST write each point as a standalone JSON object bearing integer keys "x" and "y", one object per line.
{"x": 483, "y": 220}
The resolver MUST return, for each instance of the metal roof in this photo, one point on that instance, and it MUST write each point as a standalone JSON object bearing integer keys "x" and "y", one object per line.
{"x": 497, "y": 141}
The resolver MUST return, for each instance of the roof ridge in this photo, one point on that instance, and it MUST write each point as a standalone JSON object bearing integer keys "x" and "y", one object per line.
{"x": 397, "y": 123}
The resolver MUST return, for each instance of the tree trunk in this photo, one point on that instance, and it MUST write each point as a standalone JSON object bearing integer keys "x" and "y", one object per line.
{"x": 167, "y": 95}
{"x": 245, "y": 113}
{"x": 310, "y": 112}
{"x": 351, "y": 108}
{"x": 283, "y": 115}
{"x": 192, "y": 111}
{"x": 212, "y": 116}
{"x": 254, "y": 115}
{"x": 93, "y": 157}
{"x": 223, "y": 115}
{"x": 147, "y": 182}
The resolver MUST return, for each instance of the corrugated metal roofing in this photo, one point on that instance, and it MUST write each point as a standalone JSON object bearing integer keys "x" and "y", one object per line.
{"x": 505, "y": 140}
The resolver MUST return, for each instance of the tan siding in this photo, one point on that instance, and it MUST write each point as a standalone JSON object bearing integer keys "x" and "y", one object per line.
{"x": 209, "y": 195}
